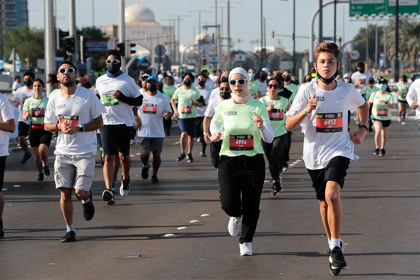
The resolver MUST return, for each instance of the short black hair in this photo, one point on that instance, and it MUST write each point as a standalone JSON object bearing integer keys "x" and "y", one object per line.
{"x": 40, "y": 81}
{"x": 190, "y": 75}
{"x": 66, "y": 62}
{"x": 30, "y": 74}
{"x": 114, "y": 53}
{"x": 361, "y": 64}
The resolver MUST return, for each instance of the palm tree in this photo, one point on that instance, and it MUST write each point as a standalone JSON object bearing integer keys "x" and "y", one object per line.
{"x": 409, "y": 42}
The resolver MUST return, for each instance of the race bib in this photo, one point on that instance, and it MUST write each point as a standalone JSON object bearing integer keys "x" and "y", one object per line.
{"x": 109, "y": 100}
{"x": 186, "y": 110}
{"x": 404, "y": 95}
{"x": 69, "y": 120}
{"x": 329, "y": 122}
{"x": 276, "y": 115}
{"x": 382, "y": 112}
{"x": 241, "y": 142}
{"x": 24, "y": 99}
{"x": 38, "y": 126}
{"x": 37, "y": 112}
{"x": 149, "y": 108}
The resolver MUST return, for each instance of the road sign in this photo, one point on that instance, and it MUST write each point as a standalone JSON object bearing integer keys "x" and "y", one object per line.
{"x": 214, "y": 59}
{"x": 240, "y": 57}
{"x": 354, "y": 54}
{"x": 383, "y": 7}
{"x": 13, "y": 54}
{"x": 97, "y": 46}
{"x": 160, "y": 50}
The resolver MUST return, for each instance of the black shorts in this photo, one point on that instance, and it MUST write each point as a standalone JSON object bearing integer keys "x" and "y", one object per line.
{"x": 39, "y": 136}
{"x": 23, "y": 129}
{"x": 402, "y": 101}
{"x": 384, "y": 123}
{"x": 334, "y": 171}
{"x": 116, "y": 138}
{"x": 2, "y": 168}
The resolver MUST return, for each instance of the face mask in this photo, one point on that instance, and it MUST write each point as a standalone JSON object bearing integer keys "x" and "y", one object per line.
{"x": 225, "y": 94}
{"x": 269, "y": 77}
{"x": 327, "y": 81}
{"x": 28, "y": 82}
{"x": 187, "y": 82}
{"x": 152, "y": 88}
{"x": 113, "y": 68}
{"x": 202, "y": 83}
{"x": 382, "y": 87}
{"x": 251, "y": 75}
{"x": 287, "y": 78}
{"x": 362, "y": 70}
{"x": 347, "y": 80}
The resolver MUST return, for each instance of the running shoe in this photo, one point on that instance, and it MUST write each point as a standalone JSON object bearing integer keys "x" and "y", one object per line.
{"x": 190, "y": 158}
{"x": 70, "y": 236}
{"x": 181, "y": 157}
{"x": 1, "y": 229}
{"x": 245, "y": 248}
{"x": 46, "y": 171}
{"x": 203, "y": 154}
{"x": 376, "y": 152}
{"x": 125, "y": 187}
{"x": 234, "y": 225}
{"x": 276, "y": 187}
{"x": 40, "y": 177}
{"x": 26, "y": 157}
{"x": 108, "y": 197}
{"x": 88, "y": 208}
{"x": 155, "y": 179}
{"x": 336, "y": 259}
{"x": 382, "y": 153}
{"x": 403, "y": 123}
{"x": 145, "y": 172}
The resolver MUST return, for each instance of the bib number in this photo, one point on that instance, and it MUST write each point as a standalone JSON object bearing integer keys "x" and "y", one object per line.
{"x": 329, "y": 122}
{"x": 109, "y": 100}
{"x": 69, "y": 120}
{"x": 241, "y": 142}
{"x": 149, "y": 108}
{"x": 37, "y": 112}
{"x": 276, "y": 115}
{"x": 186, "y": 110}
{"x": 382, "y": 112}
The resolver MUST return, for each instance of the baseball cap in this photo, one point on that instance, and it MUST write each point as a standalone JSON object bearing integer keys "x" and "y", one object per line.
{"x": 152, "y": 78}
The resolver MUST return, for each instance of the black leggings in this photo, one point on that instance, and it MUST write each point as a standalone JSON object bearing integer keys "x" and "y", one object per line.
{"x": 276, "y": 153}
{"x": 2, "y": 168}
{"x": 241, "y": 181}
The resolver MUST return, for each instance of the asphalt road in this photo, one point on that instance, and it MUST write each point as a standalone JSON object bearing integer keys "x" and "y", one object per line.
{"x": 176, "y": 229}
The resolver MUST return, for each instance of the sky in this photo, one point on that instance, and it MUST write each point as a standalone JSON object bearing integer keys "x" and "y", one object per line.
{"x": 245, "y": 18}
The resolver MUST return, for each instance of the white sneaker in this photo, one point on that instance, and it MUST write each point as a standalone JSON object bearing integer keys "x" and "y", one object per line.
{"x": 234, "y": 225}
{"x": 403, "y": 123}
{"x": 245, "y": 248}
{"x": 399, "y": 119}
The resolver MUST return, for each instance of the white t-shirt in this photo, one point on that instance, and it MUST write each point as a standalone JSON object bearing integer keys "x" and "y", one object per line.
{"x": 263, "y": 88}
{"x": 326, "y": 135}
{"x": 414, "y": 95}
{"x": 215, "y": 94}
{"x": 151, "y": 115}
{"x": 20, "y": 96}
{"x": 117, "y": 112}
{"x": 357, "y": 76}
{"x": 81, "y": 108}
{"x": 211, "y": 108}
{"x": 205, "y": 93}
{"x": 6, "y": 113}
{"x": 15, "y": 86}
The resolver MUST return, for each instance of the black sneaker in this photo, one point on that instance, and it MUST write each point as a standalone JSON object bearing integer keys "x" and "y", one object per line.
{"x": 88, "y": 209}
{"x": 145, "y": 172}
{"x": 376, "y": 152}
{"x": 155, "y": 179}
{"x": 337, "y": 260}
{"x": 40, "y": 177}
{"x": 46, "y": 171}
{"x": 70, "y": 236}
{"x": 276, "y": 188}
{"x": 108, "y": 197}
{"x": 190, "y": 158}
{"x": 1, "y": 229}
{"x": 181, "y": 157}
{"x": 382, "y": 152}
{"x": 26, "y": 157}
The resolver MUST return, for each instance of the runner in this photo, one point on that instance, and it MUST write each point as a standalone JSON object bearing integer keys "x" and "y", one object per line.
{"x": 276, "y": 151}
{"x": 205, "y": 96}
{"x": 120, "y": 96}
{"x": 367, "y": 91}
{"x": 7, "y": 124}
{"x": 23, "y": 126}
{"x": 155, "y": 108}
{"x": 361, "y": 77}
{"x": 75, "y": 113}
{"x": 254, "y": 86}
{"x": 381, "y": 102}
{"x": 321, "y": 109}
{"x": 34, "y": 109}
{"x": 241, "y": 166}
{"x": 187, "y": 97}
{"x": 262, "y": 81}
{"x": 289, "y": 85}
{"x": 16, "y": 84}
{"x": 402, "y": 89}
{"x": 168, "y": 91}
{"x": 413, "y": 98}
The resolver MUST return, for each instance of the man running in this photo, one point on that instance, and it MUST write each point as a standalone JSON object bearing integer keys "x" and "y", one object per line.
{"x": 321, "y": 109}
{"x": 75, "y": 113}
{"x": 413, "y": 98}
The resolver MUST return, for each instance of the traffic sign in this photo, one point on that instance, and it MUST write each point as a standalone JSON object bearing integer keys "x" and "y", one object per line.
{"x": 383, "y": 7}
{"x": 354, "y": 54}
{"x": 97, "y": 46}
{"x": 160, "y": 50}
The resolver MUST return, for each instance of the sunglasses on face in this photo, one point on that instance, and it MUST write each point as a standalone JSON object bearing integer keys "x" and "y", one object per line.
{"x": 113, "y": 61}
{"x": 68, "y": 70}
{"x": 144, "y": 78}
{"x": 273, "y": 86}
{"x": 234, "y": 82}
{"x": 201, "y": 80}
{"x": 285, "y": 75}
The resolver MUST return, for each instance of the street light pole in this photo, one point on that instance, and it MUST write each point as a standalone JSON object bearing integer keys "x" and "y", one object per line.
{"x": 293, "y": 37}
{"x": 397, "y": 61}
{"x": 121, "y": 31}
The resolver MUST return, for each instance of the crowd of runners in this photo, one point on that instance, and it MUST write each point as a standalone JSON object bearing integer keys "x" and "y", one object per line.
{"x": 241, "y": 114}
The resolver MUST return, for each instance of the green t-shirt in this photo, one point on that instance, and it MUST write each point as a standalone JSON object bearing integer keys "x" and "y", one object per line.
{"x": 254, "y": 88}
{"x": 241, "y": 136}
{"x": 184, "y": 97}
{"x": 402, "y": 90}
{"x": 294, "y": 89}
{"x": 36, "y": 108}
{"x": 380, "y": 110}
{"x": 277, "y": 115}
{"x": 367, "y": 91}
{"x": 168, "y": 90}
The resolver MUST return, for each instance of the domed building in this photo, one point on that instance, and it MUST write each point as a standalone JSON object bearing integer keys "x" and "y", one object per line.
{"x": 142, "y": 29}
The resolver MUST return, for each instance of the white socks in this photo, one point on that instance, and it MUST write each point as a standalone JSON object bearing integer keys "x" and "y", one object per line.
{"x": 70, "y": 227}
{"x": 334, "y": 242}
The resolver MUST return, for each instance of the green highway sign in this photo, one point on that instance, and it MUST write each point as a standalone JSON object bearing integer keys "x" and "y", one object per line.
{"x": 383, "y": 7}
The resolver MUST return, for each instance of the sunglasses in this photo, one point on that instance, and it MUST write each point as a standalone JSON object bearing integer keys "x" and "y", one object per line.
{"x": 144, "y": 78}
{"x": 273, "y": 86}
{"x": 201, "y": 80}
{"x": 68, "y": 70}
{"x": 234, "y": 82}
{"x": 285, "y": 75}
{"x": 113, "y": 61}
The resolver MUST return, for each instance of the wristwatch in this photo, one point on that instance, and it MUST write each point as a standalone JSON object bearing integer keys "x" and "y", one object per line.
{"x": 364, "y": 126}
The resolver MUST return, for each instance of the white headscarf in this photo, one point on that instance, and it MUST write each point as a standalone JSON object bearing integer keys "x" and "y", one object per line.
{"x": 246, "y": 96}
